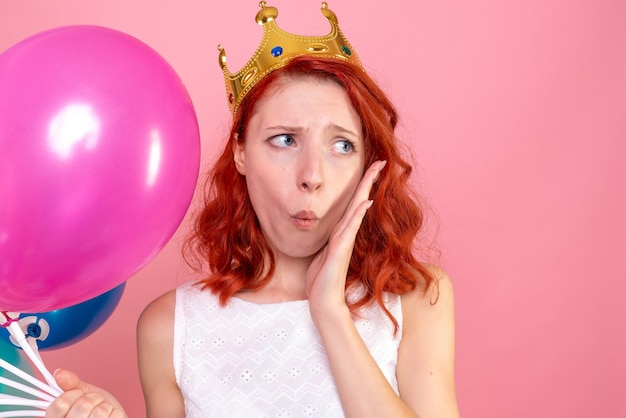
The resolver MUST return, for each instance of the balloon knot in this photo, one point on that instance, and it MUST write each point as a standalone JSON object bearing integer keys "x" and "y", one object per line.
{"x": 8, "y": 319}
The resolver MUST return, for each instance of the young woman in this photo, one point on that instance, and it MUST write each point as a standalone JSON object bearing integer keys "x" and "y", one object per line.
{"x": 314, "y": 304}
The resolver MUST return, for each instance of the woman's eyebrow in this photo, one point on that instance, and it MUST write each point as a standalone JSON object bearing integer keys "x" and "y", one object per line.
{"x": 332, "y": 127}
{"x": 338, "y": 128}
{"x": 285, "y": 128}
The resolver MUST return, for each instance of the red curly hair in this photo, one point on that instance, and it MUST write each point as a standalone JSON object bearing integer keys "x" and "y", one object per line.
{"x": 227, "y": 234}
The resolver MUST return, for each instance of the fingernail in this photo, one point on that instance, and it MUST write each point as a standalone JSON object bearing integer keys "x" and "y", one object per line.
{"x": 379, "y": 168}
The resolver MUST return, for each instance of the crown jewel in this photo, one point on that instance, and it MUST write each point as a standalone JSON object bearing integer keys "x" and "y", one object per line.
{"x": 278, "y": 47}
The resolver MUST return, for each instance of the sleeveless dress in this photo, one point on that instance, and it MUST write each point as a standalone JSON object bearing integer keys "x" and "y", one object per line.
{"x": 265, "y": 360}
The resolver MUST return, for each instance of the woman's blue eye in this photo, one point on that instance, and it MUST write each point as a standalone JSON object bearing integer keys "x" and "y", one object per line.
{"x": 343, "y": 146}
{"x": 282, "y": 140}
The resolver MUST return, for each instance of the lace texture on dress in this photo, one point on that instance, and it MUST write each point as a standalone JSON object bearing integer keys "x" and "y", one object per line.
{"x": 265, "y": 360}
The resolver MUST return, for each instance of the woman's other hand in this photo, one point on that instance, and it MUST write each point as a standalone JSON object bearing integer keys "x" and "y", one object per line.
{"x": 82, "y": 400}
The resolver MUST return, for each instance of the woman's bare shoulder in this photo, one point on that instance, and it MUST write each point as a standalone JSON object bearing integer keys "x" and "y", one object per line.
{"x": 158, "y": 316}
{"x": 440, "y": 292}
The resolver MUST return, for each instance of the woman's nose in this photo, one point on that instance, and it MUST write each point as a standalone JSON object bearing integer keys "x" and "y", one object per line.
{"x": 310, "y": 173}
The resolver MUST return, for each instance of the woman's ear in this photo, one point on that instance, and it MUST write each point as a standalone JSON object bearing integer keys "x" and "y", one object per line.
{"x": 239, "y": 153}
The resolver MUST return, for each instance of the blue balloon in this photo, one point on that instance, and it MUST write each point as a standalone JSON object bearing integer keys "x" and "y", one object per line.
{"x": 62, "y": 327}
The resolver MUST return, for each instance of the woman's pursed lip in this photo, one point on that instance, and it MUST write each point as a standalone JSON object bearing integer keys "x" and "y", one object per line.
{"x": 305, "y": 215}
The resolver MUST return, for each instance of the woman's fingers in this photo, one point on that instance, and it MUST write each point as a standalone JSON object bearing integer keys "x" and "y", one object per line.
{"x": 92, "y": 405}
{"x": 82, "y": 400}
{"x": 77, "y": 404}
{"x": 66, "y": 379}
{"x": 360, "y": 201}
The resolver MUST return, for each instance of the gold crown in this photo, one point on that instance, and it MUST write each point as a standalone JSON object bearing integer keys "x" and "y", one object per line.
{"x": 278, "y": 47}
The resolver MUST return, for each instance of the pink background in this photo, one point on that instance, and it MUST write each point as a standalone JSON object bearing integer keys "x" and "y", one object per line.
{"x": 515, "y": 112}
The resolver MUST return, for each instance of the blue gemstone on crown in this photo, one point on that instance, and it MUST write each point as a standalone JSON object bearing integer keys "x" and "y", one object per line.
{"x": 277, "y": 51}
{"x": 346, "y": 50}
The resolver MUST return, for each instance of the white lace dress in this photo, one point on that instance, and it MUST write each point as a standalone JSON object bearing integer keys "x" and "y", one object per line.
{"x": 265, "y": 360}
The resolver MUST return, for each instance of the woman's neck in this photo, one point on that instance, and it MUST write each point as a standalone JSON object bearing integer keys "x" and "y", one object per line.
{"x": 287, "y": 282}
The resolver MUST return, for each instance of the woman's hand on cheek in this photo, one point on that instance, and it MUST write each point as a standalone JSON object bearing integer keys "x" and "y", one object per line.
{"x": 326, "y": 276}
{"x": 82, "y": 400}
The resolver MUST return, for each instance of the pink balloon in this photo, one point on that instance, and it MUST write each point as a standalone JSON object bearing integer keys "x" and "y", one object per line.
{"x": 99, "y": 158}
